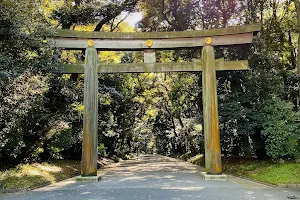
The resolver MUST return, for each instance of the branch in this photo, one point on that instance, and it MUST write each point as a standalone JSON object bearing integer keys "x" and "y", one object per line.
{"x": 111, "y": 30}
{"x": 112, "y": 24}
{"x": 116, "y": 13}
{"x": 166, "y": 13}
{"x": 43, "y": 16}
{"x": 44, "y": 19}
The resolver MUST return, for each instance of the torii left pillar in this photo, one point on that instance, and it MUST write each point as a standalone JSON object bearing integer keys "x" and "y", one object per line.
{"x": 210, "y": 115}
{"x": 90, "y": 119}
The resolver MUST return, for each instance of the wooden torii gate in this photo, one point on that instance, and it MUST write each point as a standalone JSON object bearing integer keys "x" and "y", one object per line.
{"x": 149, "y": 42}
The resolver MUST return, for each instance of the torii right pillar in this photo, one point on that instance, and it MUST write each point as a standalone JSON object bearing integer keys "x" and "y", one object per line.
{"x": 213, "y": 163}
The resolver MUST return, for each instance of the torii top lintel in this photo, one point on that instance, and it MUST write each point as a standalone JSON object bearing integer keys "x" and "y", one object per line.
{"x": 158, "y": 40}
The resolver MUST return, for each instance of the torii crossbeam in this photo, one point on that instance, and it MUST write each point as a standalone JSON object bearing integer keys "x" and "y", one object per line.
{"x": 149, "y": 42}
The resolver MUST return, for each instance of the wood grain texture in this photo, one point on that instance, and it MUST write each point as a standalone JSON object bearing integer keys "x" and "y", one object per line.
{"x": 140, "y": 44}
{"x": 90, "y": 116}
{"x": 149, "y": 56}
{"x": 158, "y": 35}
{"x": 210, "y": 113}
{"x": 152, "y": 67}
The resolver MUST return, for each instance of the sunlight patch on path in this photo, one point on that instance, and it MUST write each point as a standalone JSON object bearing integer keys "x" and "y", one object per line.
{"x": 183, "y": 188}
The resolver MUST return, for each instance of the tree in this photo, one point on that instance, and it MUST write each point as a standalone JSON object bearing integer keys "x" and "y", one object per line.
{"x": 297, "y": 5}
{"x": 21, "y": 39}
{"x": 87, "y": 12}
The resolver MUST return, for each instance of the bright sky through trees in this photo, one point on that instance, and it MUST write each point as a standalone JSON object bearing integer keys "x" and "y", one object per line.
{"x": 133, "y": 18}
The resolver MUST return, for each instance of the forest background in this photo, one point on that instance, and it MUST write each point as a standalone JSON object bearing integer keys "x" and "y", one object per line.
{"x": 41, "y": 113}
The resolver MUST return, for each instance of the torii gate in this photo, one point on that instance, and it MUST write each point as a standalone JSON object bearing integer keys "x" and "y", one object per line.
{"x": 149, "y": 42}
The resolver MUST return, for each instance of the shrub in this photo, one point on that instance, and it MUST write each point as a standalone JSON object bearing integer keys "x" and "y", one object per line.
{"x": 197, "y": 160}
{"x": 281, "y": 130}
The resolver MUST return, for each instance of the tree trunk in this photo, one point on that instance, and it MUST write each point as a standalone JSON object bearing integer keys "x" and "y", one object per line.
{"x": 297, "y": 5}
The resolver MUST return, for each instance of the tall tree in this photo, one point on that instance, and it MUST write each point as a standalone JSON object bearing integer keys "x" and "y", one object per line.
{"x": 297, "y": 5}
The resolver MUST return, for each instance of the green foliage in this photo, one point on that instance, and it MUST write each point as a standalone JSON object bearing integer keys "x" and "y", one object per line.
{"x": 69, "y": 15}
{"x": 264, "y": 171}
{"x": 281, "y": 130}
{"x": 101, "y": 150}
{"x": 116, "y": 118}
{"x": 35, "y": 116}
{"x": 197, "y": 160}
{"x": 87, "y": 12}
{"x": 21, "y": 36}
{"x": 186, "y": 156}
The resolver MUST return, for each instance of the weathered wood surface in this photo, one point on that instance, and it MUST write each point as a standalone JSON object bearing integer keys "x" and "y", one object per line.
{"x": 210, "y": 113}
{"x": 140, "y": 44}
{"x": 149, "y": 56}
{"x": 90, "y": 116}
{"x": 153, "y": 67}
{"x": 158, "y": 35}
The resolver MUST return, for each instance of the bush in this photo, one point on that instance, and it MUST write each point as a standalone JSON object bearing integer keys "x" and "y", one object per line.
{"x": 197, "y": 160}
{"x": 101, "y": 150}
{"x": 186, "y": 156}
{"x": 36, "y": 118}
{"x": 281, "y": 130}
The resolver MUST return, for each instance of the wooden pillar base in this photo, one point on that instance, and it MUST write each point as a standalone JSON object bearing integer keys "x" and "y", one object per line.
{"x": 214, "y": 177}
{"x": 88, "y": 178}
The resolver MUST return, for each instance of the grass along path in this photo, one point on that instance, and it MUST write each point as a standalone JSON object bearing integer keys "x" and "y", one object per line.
{"x": 267, "y": 171}
{"x": 27, "y": 176}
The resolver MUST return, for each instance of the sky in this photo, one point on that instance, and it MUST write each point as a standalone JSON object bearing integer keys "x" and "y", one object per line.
{"x": 133, "y": 18}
